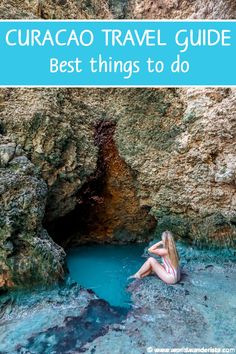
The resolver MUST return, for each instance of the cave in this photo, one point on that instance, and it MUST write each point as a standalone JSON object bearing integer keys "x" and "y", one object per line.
{"x": 107, "y": 209}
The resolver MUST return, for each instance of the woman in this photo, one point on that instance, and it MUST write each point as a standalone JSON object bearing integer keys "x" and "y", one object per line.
{"x": 169, "y": 272}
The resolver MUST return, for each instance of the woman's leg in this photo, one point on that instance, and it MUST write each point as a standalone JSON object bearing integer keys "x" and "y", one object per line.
{"x": 153, "y": 265}
{"x": 161, "y": 272}
{"x": 145, "y": 270}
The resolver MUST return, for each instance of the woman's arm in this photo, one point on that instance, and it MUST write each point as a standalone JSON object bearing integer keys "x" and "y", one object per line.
{"x": 160, "y": 252}
{"x": 155, "y": 246}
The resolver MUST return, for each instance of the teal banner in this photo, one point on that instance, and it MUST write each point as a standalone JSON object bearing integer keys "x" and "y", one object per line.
{"x": 117, "y": 53}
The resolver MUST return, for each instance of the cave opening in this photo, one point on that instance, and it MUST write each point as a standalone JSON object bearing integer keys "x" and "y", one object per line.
{"x": 107, "y": 209}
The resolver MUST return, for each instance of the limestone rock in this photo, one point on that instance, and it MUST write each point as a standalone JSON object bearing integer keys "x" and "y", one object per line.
{"x": 138, "y": 9}
{"x": 184, "y": 160}
{"x": 50, "y": 9}
{"x": 176, "y": 145}
{"x": 179, "y": 145}
{"x": 27, "y": 254}
{"x": 179, "y": 9}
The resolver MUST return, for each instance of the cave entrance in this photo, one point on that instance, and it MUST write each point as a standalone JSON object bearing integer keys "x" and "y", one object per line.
{"x": 108, "y": 210}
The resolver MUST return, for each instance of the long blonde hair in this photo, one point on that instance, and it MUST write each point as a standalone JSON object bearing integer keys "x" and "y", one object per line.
{"x": 169, "y": 244}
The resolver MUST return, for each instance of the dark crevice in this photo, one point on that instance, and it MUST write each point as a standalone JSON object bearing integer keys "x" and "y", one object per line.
{"x": 2, "y": 129}
{"x": 107, "y": 208}
{"x": 88, "y": 197}
{"x": 119, "y": 8}
{"x": 77, "y": 331}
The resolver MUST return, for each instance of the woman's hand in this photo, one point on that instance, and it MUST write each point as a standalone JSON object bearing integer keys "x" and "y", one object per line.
{"x": 158, "y": 251}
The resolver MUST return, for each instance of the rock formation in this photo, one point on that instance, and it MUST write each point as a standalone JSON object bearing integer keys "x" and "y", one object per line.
{"x": 28, "y": 255}
{"x": 137, "y": 9}
{"x": 170, "y": 155}
{"x": 185, "y": 160}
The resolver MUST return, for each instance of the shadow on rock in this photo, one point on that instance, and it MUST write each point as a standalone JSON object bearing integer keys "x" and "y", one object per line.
{"x": 76, "y": 331}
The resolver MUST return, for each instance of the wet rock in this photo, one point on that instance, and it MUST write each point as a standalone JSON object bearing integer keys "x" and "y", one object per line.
{"x": 71, "y": 319}
{"x": 75, "y": 330}
{"x": 61, "y": 320}
{"x": 164, "y": 317}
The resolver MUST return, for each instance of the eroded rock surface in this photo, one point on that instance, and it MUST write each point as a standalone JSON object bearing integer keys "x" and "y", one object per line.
{"x": 108, "y": 209}
{"x": 112, "y": 9}
{"x": 179, "y": 9}
{"x": 184, "y": 157}
{"x": 178, "y": 146}
{"x": 27, "y": 254}
{"x": 174, "y": 148}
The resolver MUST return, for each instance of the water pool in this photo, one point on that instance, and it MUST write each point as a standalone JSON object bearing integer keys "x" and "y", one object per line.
{"x": 66, "y": 318}
{"x": 105, "y": 268}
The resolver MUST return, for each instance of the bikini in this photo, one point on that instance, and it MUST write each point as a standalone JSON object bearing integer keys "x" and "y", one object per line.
{"x": 170, "y": 269}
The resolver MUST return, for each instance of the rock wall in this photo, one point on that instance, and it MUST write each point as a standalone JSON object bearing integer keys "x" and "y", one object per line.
{"x": 112, "y": 9}
{"x": 179, "y": 9}
{"x": 184, "y": 158}
{"x": 171, "y": 157}
{"x": 27, "y": 253}
{"x": 179, "y": 145}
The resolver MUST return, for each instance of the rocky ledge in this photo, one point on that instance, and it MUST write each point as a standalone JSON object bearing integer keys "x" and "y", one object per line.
{"x": 196, "y": 312}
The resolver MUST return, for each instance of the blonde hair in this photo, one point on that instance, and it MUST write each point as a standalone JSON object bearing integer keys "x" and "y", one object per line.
{"x": 169, "y": 244}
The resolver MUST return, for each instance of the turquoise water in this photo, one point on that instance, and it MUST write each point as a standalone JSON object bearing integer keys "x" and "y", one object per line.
{"x": 65, "y": 317}
{"x": 57, "y": 320}
{"x": 105, "y": 268}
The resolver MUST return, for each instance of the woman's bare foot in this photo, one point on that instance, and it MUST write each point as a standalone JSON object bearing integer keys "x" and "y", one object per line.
{"x": 135, "y": 276}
